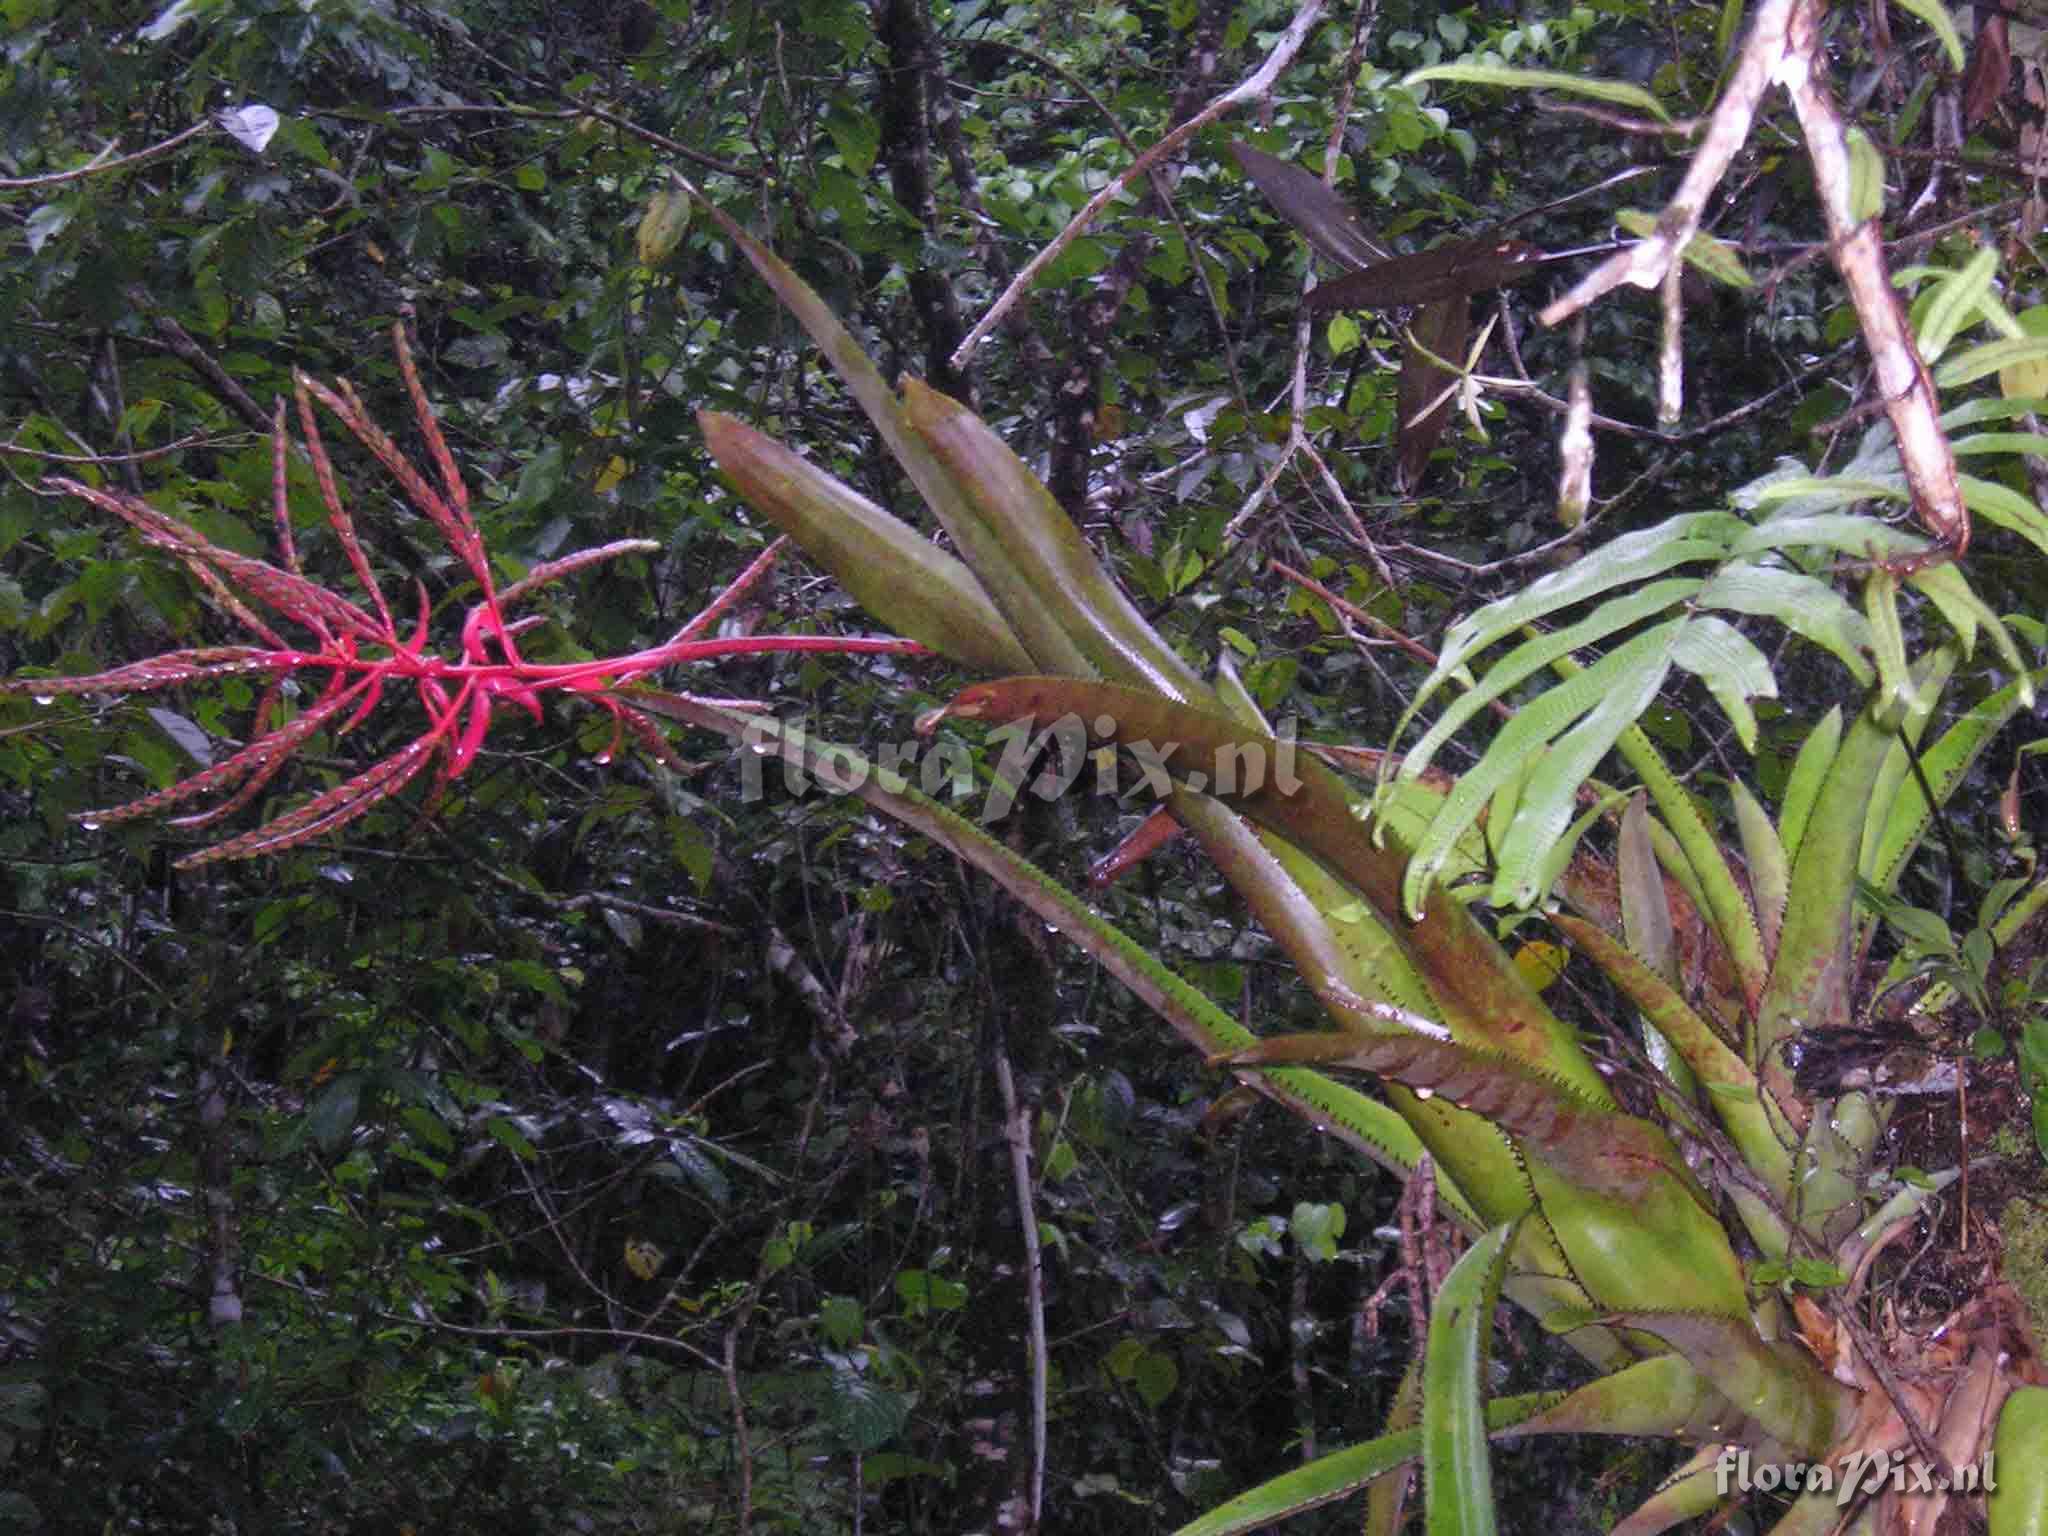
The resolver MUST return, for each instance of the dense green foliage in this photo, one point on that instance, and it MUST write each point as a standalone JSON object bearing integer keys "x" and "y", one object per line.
{"x": 612, "y": 1148}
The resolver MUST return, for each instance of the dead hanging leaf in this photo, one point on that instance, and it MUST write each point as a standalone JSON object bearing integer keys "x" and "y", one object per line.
{"x": 1447, "y": 271}
{"x": 1990, "y": 70}
{"x": 1442, "y": 328}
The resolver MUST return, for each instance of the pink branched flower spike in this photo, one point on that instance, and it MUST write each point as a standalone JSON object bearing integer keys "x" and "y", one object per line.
{"x": 355, "y": 650}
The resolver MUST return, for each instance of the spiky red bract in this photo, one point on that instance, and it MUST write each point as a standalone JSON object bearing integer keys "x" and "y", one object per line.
{"x": 359, "y": 649}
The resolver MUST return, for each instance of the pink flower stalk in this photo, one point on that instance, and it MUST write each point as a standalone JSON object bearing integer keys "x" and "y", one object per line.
{"x": 361, "y": 649}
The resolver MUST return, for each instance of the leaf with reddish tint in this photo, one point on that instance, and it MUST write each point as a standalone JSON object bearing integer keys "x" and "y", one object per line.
{"x": 1455, "y": 270}
{"x": 894, "y": 572}
{"x": 1474, "y": 983}
{"x": 1598, "y": 1147}
{"x": 1990, "y": 69}
{"x": 1322, "y": 216}
{"x": 1144, "y": 840}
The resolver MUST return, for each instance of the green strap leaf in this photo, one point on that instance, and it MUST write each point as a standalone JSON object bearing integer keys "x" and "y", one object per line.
{"x": 1023, "y": 605}
{"x": 1993, "y": 356}
{"x": 1770, "y": 872}
{"x": 1525, "y": 660}
{"x": 893, "y": 571}
{"x": 1626, "y": 682}
{"x": 1456, "y": 1474}
{"x": 1477, "y": 989}
{"x": 1944, "y": 764}
{"x": 1332, "y": 1477}
{"x": 1663, "y": 1395}
{"x": 1695, "y": 1489}
{"x": 1955, "y": 303}
{"x": 1619, "y": 93}
{"x": 1780, "y": 1385}
{"x": 1631, "y": 673}
{"x": 1936, "y": 15}
{"x": 1632, "y": 558}
{"x": 1809, "y": 607}
{"x": 2003, "y": 505}
{"x": 1041, "y": 544}
{"x": 1731, "y": 1086}
{"x": 1809, "y": 772}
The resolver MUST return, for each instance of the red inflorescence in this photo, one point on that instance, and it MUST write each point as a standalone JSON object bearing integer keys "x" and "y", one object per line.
{"x": 361, "y": 649}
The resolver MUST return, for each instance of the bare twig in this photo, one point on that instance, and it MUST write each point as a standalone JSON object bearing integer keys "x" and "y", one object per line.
{"x": 1350, "y": 610}
{"x": 1902, "y": 379}
{"x": 1645, "y": 263}
{"x": 729, "y": 1369}
{"x": 835, "y": 1033}
{"x": 1251, "y": 87}
{"x": 1017, "y": 1132}
{"x": 100, "y": 164}
{"x": 87, "y": 936}
{"x": 1619, "y": 122}
{"x": 189, "y": 440}
{"x": 203, "y": 362}
{"x": 1297, "y": 433}
{"x": 605, "y": 901}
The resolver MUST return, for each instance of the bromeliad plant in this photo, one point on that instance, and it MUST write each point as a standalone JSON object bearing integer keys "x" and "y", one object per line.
{"x": 356, "y": 651}
{"x": 1662, "y": 1192}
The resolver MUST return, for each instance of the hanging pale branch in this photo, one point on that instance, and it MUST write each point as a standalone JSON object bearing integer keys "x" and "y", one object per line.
{"x": 1858, "y": 250}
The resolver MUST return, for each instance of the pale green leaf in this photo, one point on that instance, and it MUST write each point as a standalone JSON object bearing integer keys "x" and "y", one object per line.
{"x": 1866, "y": 177}
{"x": 1637, "y": 671}
{"x": 1717, "y": 259}
{"x": 1825, "y": 490}
{"x": 1733, "y": 669}
{"x": 1991, "y": 357}
{"x": 1631, "y": 558}
{"x": 1534, "y": 725}
{"x": 1956, "y": 303}
{"x": 1619, "y": 93}
{"x": 1609, "y": 619}
{"x": 2006, "y": 507}
{"x": 1457, "y": 1477}
{"x": 1935, "y": 14}
{"x": 1342, "y": 1473}
{"x": 1809, "y": 607}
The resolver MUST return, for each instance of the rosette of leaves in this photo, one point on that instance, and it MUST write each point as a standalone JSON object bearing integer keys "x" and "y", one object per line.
{"x": 1623, "y": 1228}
